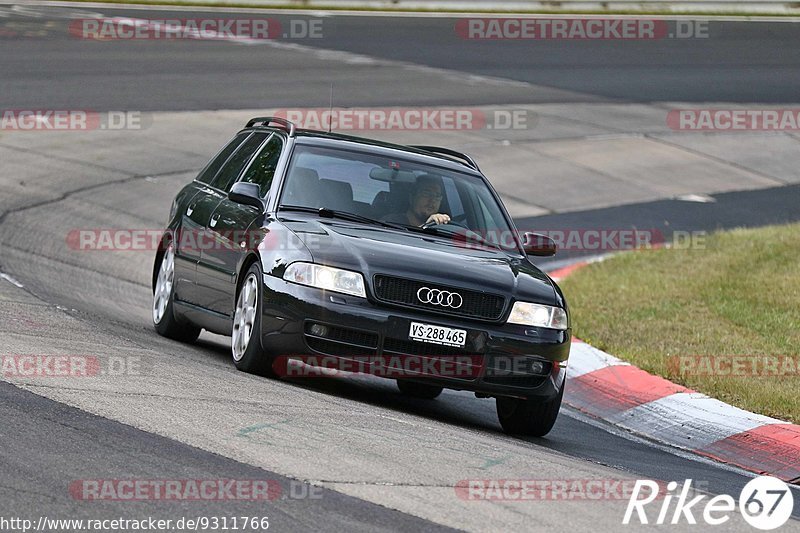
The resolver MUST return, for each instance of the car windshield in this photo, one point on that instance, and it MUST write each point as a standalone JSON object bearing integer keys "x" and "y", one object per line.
{"x": 396, "y": 191}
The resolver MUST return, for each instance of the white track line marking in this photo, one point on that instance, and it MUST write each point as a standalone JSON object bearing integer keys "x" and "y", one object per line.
{"x": 11, "y": 280}
{"x": 41, "y": 11}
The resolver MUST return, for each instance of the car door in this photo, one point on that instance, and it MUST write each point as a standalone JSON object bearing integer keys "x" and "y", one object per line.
{"x": 195, "y": 213}
{"x": 229, "y": 227}
{"x": 212, "y": 277}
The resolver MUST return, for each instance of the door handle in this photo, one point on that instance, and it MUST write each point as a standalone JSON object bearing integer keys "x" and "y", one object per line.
{"x": 214, "y": 220}
{"x": 190, "y": 210}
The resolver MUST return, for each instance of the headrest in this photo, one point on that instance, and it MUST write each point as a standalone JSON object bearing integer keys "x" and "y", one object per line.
{"x": 337, "y": 195}
{"x": 303, "y": 187}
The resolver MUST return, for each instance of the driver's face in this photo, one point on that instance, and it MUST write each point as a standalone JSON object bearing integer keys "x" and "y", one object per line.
{"x": 427, "y": 200}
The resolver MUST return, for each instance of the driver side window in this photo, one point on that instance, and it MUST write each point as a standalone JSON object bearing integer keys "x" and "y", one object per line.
{"x": 262, "y": 170}
{"x": 233, "y": 167}
{"x": 208, "y": 174}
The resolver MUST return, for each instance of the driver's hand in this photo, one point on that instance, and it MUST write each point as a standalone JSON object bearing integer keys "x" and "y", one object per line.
{"x": 438, "y": 218}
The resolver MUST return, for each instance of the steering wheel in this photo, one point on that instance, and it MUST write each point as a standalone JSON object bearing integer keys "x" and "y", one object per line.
{"x": 450, "y": 223}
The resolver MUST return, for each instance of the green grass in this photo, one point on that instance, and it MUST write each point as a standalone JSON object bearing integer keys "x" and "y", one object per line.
{"x": 739, "y": 295}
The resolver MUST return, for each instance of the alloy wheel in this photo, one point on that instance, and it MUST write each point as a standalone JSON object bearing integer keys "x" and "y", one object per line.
{"x": 163, "y": 291}
{"x": 245, "y": 317}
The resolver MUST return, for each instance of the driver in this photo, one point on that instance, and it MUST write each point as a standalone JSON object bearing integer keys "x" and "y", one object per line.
{"x": 423, "y": 205}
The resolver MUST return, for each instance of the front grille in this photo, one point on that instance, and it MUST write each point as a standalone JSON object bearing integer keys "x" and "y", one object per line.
{"x": 401, "y": 291}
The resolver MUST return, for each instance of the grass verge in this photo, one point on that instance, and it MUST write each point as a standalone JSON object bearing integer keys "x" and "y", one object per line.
{"x": 723, "y": 319}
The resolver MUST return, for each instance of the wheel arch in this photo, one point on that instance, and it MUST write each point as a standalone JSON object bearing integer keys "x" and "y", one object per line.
{"x": 247, "y": 262}
{"x": 166, "y": 239}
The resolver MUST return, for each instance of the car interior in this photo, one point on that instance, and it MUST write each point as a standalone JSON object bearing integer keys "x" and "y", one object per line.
{"x": 307, "y": 188}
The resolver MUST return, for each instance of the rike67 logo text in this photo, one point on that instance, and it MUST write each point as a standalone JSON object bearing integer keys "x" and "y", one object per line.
{"x": 765, "y": 503}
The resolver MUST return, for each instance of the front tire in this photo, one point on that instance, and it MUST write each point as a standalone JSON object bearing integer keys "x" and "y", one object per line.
{"x": 419, "y": 390}
{"x": 248, "y": 354}
{"x": 163, "y": 295}
{"x": 529, "y": 416}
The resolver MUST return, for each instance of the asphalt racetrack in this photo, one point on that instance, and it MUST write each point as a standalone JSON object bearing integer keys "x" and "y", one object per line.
{"x": 348, "y": 453}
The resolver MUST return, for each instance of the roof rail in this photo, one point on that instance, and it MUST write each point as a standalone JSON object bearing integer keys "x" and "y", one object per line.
{"x": 265, "y": 121}
{"x": 452, "y": 153}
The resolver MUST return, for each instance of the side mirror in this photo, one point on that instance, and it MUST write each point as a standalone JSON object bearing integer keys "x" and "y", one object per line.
{"x": 247, "y": 194}
{"x": 539, "y": 245}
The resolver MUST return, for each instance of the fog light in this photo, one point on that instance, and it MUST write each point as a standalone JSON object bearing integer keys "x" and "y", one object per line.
{"x": 318, "y": 330}
{"x": 537, "y": 367}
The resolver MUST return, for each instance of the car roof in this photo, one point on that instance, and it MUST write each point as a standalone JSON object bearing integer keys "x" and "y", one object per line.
{"x": 341, "y": 140}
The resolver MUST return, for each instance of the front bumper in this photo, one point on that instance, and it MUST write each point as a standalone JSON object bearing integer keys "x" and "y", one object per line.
{"x": 365, "y": 329}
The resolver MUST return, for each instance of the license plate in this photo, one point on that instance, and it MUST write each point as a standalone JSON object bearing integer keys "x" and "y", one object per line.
{"x": 437, "y": 334}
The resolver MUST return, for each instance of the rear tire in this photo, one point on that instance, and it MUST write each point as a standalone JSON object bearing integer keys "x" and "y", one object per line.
{"x": 248, "y": 354}
{"x": 419, "y": 390}
{"x": 164, "y": 319}
{"x": 528, "y": 417}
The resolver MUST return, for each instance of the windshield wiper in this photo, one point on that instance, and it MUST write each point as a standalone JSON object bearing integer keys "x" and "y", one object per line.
{"x": 469, "y": 234}
{"x": 344, "y": 215}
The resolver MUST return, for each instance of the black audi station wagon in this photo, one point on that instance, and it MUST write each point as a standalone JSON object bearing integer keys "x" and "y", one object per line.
{"x": 309, "y": 247}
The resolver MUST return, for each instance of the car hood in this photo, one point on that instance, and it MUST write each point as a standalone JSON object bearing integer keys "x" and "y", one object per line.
{"x": 372, "y": 249}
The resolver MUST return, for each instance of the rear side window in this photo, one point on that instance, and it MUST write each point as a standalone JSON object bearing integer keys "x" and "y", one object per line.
{"x": 233, "y": 167}
{"x": 207, "y": 175}
{"x": 262, "y": 170}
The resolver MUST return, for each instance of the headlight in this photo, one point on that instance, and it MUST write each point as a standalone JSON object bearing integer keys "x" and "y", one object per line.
{"x": 328, "y": 278}
{"x": 543, "y": 316}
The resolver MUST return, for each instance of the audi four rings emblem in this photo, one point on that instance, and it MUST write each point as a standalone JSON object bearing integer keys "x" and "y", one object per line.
{"x": 427, "y": 295}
